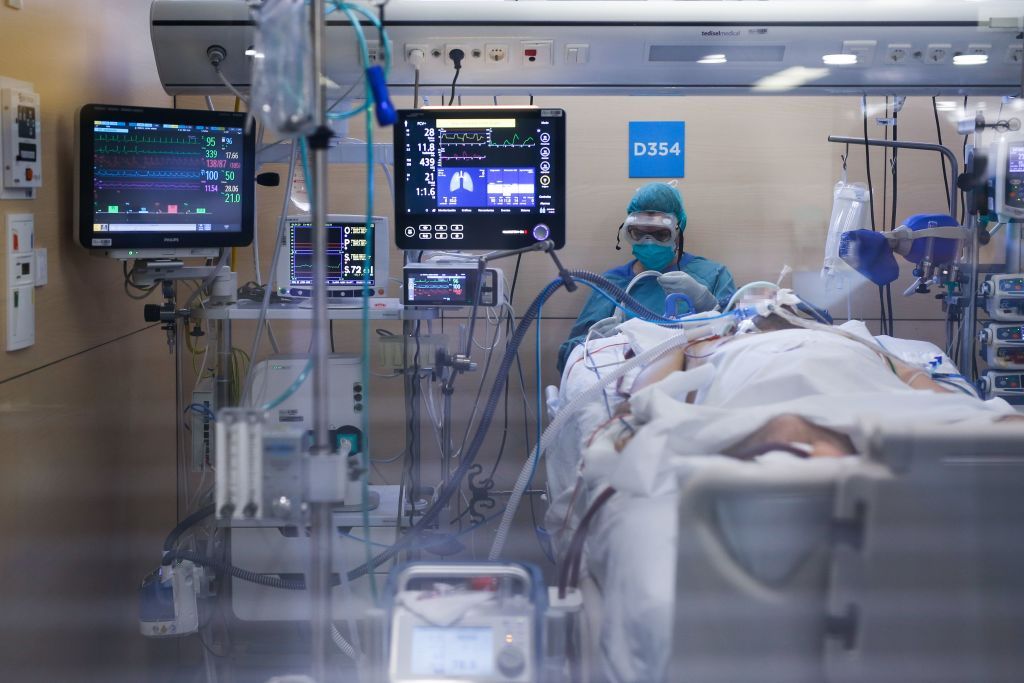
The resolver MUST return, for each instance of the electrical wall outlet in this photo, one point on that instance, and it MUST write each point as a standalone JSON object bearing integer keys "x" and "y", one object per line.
{"x": 452, "y": 46}
{"x": 978, "y": 49}
{"x": 496, "y": 54}
{"x": 1015, "y": 55}
{"x": 411, "y": 48}
{"x": 897, "y": 53}
{"x": 938, "y": 53}
{"x": 536, "y": 53}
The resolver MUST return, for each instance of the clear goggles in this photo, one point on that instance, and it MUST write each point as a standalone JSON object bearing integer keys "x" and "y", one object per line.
{"x": 654, "y": 226}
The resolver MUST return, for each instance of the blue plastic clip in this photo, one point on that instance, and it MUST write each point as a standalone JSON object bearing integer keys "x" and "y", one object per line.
{"x": 385, "y": 110}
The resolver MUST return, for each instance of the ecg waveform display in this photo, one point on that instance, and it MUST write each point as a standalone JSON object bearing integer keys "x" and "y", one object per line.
{"x": 347, "y": 255}
{"x": 162, "y": 177}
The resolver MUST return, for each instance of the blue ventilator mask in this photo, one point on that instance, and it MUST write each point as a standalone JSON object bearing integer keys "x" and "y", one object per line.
{"x": 654, "y": 237}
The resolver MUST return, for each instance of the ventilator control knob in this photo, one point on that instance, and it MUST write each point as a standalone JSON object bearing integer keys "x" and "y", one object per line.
{"x": 511, "y": 661}
{"x": 541, "y": 232}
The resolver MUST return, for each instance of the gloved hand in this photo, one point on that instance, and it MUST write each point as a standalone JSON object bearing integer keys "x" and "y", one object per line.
{"x": 679, "y": 282}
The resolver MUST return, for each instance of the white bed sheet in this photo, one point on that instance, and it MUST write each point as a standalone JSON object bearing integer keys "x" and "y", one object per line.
{"x": 631, "y": 547}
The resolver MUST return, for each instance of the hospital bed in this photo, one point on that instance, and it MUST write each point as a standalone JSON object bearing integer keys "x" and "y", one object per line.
{"x": 907, "y": 566}
{"x": 900, "y": 564}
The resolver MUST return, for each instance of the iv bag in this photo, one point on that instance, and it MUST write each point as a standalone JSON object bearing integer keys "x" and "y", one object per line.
{"x": 850, "y": 206}
{"x": 283, "y": 89}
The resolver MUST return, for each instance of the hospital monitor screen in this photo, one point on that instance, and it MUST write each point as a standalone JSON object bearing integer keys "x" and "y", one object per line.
{"x": 479, "y": 178}
{"x": 349, "y": 256}
{"x": 157, "y": 180}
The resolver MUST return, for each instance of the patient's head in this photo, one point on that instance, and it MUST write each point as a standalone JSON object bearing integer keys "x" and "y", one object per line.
{"x": 794, "y": 434}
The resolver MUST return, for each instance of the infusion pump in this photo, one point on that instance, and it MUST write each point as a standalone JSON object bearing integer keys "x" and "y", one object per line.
{"x": 1008, "y": 195}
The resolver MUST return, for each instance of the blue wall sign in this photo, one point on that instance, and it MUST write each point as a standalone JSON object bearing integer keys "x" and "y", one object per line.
{"x": 657, "y": 149}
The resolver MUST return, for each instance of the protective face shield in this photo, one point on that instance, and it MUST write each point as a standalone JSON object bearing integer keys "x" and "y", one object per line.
{"x": 645, "y": 227}
{"x": 654, "y": 237}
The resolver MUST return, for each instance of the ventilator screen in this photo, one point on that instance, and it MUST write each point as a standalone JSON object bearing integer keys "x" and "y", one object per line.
{"x": 489, "y": 178}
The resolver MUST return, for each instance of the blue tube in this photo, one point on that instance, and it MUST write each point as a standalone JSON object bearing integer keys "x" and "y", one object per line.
{"x": 386, "y": 114}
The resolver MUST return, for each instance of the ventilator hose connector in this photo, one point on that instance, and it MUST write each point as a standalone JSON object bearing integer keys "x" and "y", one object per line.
{"x": 531, "y": 314}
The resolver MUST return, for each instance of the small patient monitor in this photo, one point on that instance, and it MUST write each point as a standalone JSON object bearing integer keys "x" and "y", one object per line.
{"x": 348, "y": 257}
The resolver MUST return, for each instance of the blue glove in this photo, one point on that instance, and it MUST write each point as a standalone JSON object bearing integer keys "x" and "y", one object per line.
{"x": 870, "y": 254}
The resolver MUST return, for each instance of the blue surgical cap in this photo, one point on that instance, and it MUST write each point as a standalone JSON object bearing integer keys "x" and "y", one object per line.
{"x": 659, "y": 197}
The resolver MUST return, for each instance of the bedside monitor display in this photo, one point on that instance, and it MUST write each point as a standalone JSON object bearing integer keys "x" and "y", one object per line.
{"x": 349, "y": 256}
{"x": 164, "y": 179}
{"x": 479, "y": 178}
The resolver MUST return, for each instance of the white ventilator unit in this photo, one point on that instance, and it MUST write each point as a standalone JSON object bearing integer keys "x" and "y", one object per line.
{"x": 588, "y": 47}
{"x": 272, "y": 378}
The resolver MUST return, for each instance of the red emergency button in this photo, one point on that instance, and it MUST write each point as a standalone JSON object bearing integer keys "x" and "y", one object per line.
{"x": 29, "y": 174}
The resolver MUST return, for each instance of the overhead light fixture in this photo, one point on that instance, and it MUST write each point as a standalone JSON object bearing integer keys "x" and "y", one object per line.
{"x": 970, "y": 60}
{"x": 712, "y": 59}
{"x": 947, "y": 105}
{"x": 788, "y": 79}
{"x": 839, "y": 59}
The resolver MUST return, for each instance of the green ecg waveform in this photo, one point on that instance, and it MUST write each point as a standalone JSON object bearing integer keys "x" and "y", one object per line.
{"x": 515, "y": 141}
{"x": 190, "y": 140}
{"x": 138, "y": 150}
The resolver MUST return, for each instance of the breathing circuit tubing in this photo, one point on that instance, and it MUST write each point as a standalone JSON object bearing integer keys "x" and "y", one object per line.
{"x": 562, "y": 418}
{"x": 451, "y": 487}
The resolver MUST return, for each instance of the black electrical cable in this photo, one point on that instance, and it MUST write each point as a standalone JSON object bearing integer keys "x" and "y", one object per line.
{"x": 963, "y": 158}
{"x": 895, "y": 195}
{"x": 186, "y": 524}
{"x": 331, "y": 325}
{"x": 237, "y": 572}
{"x": 467, "y": 459}
{"x": 942, "y": 157}
{"x": 871, "y": 201}
{"x": 451, "y": 98}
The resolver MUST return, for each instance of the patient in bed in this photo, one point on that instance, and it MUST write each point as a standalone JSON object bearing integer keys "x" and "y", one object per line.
{"x": 778, "y": 391}
{"x": 783, "y": 362}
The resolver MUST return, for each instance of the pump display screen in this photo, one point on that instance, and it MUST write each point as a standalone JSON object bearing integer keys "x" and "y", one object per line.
{"x": 1015, "y": 159}
{"x": 488, "y": 178}
{"x": 454, "y": 651}
{"x": 1014, "y": 190}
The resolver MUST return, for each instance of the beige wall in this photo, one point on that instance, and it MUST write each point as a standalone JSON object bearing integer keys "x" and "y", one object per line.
{"x": 87, "y": 436}
{"x": 86, "y": 427}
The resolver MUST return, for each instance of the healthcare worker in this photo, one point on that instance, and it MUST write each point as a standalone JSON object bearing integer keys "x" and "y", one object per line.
{"x": 654, "y": 230}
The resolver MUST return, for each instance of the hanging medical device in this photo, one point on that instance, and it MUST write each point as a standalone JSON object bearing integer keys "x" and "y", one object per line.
{"x": 163, "y": 183}
{"x": 479, "y": 178}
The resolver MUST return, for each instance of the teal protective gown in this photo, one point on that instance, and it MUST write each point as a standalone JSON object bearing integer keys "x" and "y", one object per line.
{"x": 712, "y": 275}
